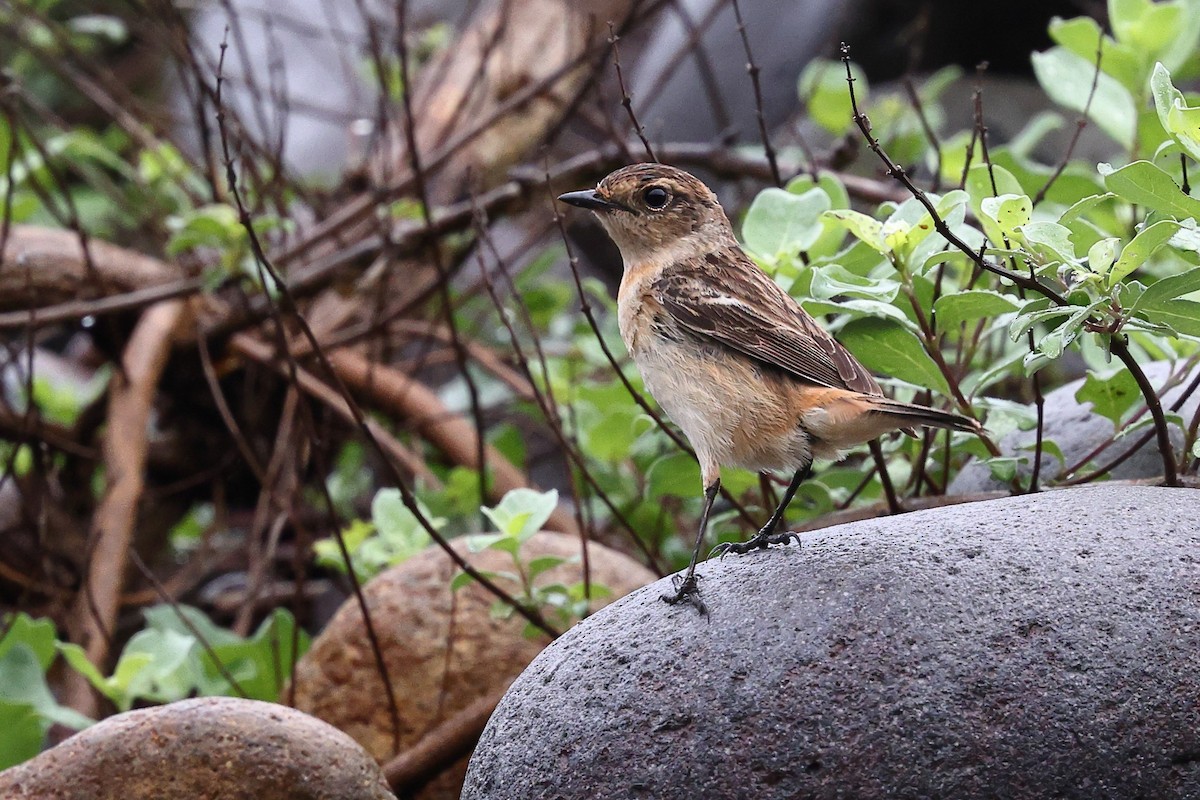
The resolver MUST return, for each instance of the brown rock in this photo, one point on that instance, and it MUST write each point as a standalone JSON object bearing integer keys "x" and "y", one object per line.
{"x": 443, "y": 649}
{"x": 211, "y": 747}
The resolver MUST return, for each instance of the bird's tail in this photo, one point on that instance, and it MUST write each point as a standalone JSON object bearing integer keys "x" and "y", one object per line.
{"x": 911, "y": 414}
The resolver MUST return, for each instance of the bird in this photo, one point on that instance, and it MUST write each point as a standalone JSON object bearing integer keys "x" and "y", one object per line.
{"x": 751, "y": 379}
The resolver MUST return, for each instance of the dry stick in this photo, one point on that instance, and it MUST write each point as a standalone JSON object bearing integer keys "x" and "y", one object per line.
{"x": 256, "y": 350}
{"x": 131, "y": 396}
{"x": 692, "y": 47}
{"x": 1039, "y": 399}
{"x": 550, "y": 413}
{"x": 626, "y": 100}
{"x": 482, "y": 452}
{"x": 451, "y": 433}
{"x": 1172, "y": 381}
{"x": 368, "y": 431}
{"x": 1080, "y": 124}
{"x": 161, "y": 592}
{"x": 889, "y": 491}
{"x": 279, "y": 474}
{"x": 752, "y": 70}
{"x": 318, "y": 274}
{"x": 1116, "y": 340}
{"x": 896, "y": 171}
{"x": 264, "y": 267}
{"x": 440, "y": 747}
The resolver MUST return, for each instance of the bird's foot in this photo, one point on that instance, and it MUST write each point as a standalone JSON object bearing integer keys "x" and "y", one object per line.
{"x": 687, "y": 590}
{"x": 759, "y": 541}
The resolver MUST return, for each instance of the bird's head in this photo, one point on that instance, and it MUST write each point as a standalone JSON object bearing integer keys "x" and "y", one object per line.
{"x": 652, "y": 210}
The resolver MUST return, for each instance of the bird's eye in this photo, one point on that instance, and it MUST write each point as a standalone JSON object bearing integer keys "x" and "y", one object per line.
{"x": 656, "y": 198}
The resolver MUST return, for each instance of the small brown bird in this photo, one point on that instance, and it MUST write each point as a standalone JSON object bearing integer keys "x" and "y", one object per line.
{"x": 751, "y": 379}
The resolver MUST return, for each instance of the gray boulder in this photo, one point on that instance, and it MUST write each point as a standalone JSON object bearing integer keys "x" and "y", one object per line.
{"x": 1033, "y": 646}
{"x": 1079, "y": 432}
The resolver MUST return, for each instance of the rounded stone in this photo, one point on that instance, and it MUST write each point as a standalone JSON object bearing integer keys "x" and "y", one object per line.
{"x": 443, "y": 649}
{"x": 1083, "y": 435}
{"x": 215, "y": 747}
{"x": 1033, "y": 646}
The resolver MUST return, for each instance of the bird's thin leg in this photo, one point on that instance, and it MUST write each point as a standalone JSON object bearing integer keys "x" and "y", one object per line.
{"x": 766, "y": 534}
{"x": 686, "y": 588}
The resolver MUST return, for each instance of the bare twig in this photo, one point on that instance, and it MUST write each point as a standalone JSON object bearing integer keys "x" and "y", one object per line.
{"x": 752, "y": 70}
{"x": 1080, "y": 124}
{"x": 626, "y": 100}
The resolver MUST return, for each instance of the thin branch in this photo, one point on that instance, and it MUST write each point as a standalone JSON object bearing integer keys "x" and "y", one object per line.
{"x": 752, "y": 70}
{"x": 626, "y": 100}
{"x": 897, "y": 172}
{"x": 1121, "y": 350}
{"x": 1080, "y": 124}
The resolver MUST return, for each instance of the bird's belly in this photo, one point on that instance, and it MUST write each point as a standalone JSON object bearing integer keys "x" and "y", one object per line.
{"x": 731, "y": 413}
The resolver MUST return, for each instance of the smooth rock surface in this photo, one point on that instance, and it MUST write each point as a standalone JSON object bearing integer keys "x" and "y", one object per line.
{"x": 217, "y": 748}
{"x": 443, "y": 649}
{"x": 1082, "y": 433}
{"x": 1033, "y": 646}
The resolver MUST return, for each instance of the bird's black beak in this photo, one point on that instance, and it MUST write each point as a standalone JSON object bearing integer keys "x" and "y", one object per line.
{"x": 589, "y": 199}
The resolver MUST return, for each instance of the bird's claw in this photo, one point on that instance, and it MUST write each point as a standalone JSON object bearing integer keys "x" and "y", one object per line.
{"x": 687, "y": 590}
{"x": 759, "y": 541}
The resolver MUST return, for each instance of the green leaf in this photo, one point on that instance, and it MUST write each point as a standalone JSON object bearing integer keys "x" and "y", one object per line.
{"x": 1178, "y": 119}
{"x": 780, "y": 223}
{"x": 1081, "y": 36}
{"x": 522, "y": 512}
{"x": 23, "y": 733}
{"x": 1171, "y": 287}
{"x": 951, "y": 309}
{"x": 866, "y": 229}
{"x": 834, "y": 280}
{"x": 22, "y": 682}
{"x": 1147, "y": 185}
{"x": 892, "y": 349}
{"x": 1004, "y": 468}
{"x": 478, "y": 542}
{"x": 673, "y": 475}
{"x": 1101, "y": 254}
{"x": 832, "y": 234}
{"x": 1111, "y": 394}
{"x": 460, "y": 580}
{"x": 38, "y": 635}
{"x": 1183, "y": 316}
{"x": 1146, "y": 26}
{"x": 537, "y": 566}
{"x": 400, "y": 533}
{"x": 1143, "y": 245}
{"x": 823, "y": 89}
{"x": 1067, "y": 79}
{"x": 1008, "y": 211}
{"x": 1049, "y": 240}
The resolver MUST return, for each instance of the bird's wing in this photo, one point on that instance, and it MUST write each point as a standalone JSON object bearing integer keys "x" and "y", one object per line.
{"x": 725, "y": 297}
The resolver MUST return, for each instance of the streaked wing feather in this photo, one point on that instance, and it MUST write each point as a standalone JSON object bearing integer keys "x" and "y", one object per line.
{"x": 726, "y": 297}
